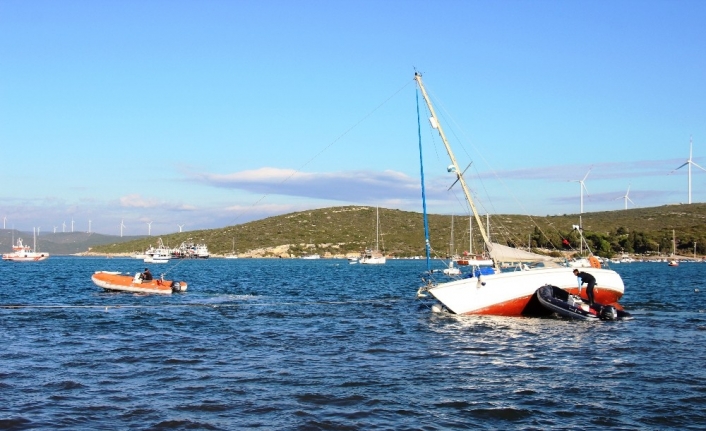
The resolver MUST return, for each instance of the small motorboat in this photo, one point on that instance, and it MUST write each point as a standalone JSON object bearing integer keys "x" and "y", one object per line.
{"x": 127, "y": 283}
{"x": 564, "y": 304}
{"x": 452, "y": 270}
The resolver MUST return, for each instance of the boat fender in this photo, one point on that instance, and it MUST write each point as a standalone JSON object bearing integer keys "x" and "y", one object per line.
{"x": 436, "y": 308}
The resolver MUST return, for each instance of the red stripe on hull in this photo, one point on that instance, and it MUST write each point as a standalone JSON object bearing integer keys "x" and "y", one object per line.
{"x": 601, "y": 296}
{"x": 509, "y": 308}
{"x": 517, "y": 306}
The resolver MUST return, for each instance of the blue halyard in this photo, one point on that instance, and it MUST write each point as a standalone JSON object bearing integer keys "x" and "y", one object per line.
{"x": 424, "y": 200}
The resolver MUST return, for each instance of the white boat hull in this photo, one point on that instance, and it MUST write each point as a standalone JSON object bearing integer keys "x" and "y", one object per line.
{"x": 475, "y": 262}
{"x": 156, "y": 260}
{"x": 30, "y": 257}
{"x": 373, "y": 260}
{"x": 508, "y": 293}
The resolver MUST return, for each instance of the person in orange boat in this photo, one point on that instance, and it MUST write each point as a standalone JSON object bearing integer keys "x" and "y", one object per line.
{"x": 589, "y": 280}
{"x": 147, "y": 275}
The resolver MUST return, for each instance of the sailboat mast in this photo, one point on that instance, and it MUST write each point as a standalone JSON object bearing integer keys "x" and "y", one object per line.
{"x": 435, "y": 123}
{"x": 581, "y": 236}
{"x": 451, "y": 243}
{"x": 377, "y": 228}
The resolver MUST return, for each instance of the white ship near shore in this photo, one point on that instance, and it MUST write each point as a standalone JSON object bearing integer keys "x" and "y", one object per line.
{"x": 23, "y": 253}
{"x": 190, "y": 250}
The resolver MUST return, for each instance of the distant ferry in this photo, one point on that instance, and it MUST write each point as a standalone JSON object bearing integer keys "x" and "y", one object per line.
{"x": 189, "y": 250}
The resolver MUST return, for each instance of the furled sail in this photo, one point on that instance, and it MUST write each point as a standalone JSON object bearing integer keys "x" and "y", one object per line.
{"x": 503, "y": 253}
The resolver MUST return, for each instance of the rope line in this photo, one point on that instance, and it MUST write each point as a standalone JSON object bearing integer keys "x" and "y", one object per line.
{"x": 298, "y": 170}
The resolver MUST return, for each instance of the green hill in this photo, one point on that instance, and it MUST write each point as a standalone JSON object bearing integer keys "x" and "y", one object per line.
{"x": 349, "y": 229}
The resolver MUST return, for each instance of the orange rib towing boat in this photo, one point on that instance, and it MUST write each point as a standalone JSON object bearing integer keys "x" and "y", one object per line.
{"x": 127, "y": 283}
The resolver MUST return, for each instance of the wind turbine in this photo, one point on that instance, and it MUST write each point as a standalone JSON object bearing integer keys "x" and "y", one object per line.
{"x": 122, "y": 225}
{"x": 4, "y": 219}
{"x": 149, "y": 228}
{"x": 72, "y": 224}
{"x": 63, "y": 226}
{"x": 688, "y": 163}
{"x": 54, "y": 229}
{"x": 89, "y": 226}
{"x": 180, "y": 226}
{"x": 626, "y": 197}
{"x": 582, "y": 187}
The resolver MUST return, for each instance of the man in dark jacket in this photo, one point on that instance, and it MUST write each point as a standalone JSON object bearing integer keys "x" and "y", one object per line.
{"x": 589, "y": 280}
{"x": 147, "y": 275}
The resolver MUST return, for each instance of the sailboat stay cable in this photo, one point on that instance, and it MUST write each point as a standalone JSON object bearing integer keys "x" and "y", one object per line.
{"x": 323, "y": 150}
{"x": 424, "y": 198}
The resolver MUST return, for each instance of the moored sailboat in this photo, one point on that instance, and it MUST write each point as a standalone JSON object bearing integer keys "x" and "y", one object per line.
{"x": 673, "y": 260}
{"x": 470, "y": 259}
{"x": 505, "y": 292}
{"x": 374, "y": 257}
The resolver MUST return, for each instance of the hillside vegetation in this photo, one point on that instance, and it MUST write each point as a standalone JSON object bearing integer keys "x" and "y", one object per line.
{"x": 350, "y": 229}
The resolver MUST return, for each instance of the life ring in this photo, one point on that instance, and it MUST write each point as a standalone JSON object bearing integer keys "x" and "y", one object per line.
{"x": 594, "y": 262}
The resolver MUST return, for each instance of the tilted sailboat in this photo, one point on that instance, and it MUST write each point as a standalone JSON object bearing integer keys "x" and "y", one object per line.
{"x": 506, "y": 293}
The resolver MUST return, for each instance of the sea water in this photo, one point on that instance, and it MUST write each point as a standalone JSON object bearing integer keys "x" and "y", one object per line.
{"x": 321, "y": 344}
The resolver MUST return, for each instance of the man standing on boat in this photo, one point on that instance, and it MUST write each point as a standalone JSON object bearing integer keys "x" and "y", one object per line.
{"x": 589, "y": 280}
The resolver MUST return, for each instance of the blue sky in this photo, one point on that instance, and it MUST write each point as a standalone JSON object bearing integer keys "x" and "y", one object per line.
{"x": 212, "y": 113}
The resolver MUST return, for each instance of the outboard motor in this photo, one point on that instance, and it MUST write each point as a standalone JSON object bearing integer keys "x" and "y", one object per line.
{"x": 609, "y": 313}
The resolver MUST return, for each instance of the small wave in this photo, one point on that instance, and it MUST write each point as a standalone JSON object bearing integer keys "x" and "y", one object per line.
{"x": 64, "y": 385}
{"x": 329, "y": 400}
{"x": 19, "y": 423}
{"x": 182, "y": 424}
{"x": 503, "y": 413}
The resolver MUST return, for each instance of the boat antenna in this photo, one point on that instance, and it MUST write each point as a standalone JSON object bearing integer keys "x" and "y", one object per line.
{"x": 454, "y": 165}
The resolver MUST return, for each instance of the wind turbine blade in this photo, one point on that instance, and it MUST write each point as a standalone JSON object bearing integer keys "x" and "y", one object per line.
{"x": 584, "y": 187}
{"x": 630, "y": 200}
{"x": 586, "y": 176}
{"x": 695, "y": 164}
{"x": 685, "y": 163}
